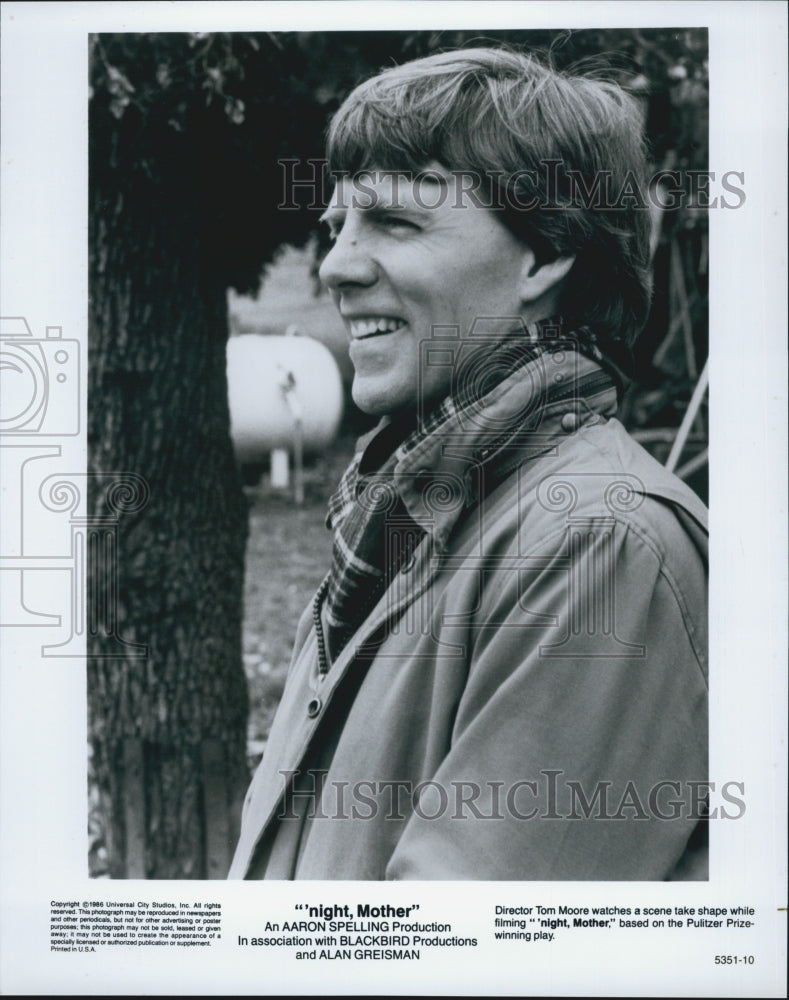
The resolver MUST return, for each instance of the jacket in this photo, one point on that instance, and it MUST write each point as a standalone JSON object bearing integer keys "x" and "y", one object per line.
{"x": 527, "y": 700}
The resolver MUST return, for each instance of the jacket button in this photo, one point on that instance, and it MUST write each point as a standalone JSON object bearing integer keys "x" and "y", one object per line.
{"x": 314, "y": 707}
{"x": 569, "y": 422}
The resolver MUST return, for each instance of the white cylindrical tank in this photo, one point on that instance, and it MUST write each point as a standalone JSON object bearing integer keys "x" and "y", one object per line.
{"x": 273, "y": 382}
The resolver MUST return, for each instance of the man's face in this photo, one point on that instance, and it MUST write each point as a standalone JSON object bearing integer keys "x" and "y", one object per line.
{"x": 408, "y": 255}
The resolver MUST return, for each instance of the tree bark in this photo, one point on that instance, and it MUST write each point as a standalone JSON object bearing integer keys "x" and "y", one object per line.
{"x": 167, "y": 716}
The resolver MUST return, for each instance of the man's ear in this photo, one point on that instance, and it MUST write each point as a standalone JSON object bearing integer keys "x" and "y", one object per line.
{"x": 539, "y": 280}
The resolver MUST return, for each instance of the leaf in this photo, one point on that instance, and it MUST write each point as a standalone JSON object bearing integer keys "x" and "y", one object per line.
{"x": 234, "y": 109}
{"x": 163, "y": 75}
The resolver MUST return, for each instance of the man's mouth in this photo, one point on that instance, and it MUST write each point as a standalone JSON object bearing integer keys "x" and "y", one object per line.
{"x": 374, "y": 326}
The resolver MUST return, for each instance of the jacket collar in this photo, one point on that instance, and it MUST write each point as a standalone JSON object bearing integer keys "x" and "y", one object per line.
{"x": 446, "y": 472}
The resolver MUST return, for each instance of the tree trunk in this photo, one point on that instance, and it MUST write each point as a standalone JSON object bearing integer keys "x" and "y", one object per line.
{"x": 167, "y": 700}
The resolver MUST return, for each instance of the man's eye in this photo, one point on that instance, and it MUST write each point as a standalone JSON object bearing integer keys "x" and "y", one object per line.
{"x": 395, "y": 221}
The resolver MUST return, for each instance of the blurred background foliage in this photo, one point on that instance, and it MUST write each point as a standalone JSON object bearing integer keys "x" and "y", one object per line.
{"x": 206, "y": 118}
{"x": 201, "y": 121}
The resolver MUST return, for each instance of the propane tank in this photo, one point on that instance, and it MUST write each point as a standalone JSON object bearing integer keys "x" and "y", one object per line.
{"x": 284, "y": 392}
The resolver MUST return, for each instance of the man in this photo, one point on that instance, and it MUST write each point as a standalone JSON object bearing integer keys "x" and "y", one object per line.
{"x": 503, "y": 675}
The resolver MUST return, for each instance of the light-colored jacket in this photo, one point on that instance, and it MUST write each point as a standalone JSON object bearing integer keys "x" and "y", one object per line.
{"x": 528, "y": 700}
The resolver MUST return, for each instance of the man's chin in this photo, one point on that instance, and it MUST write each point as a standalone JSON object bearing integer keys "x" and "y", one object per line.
{"x": 378, "y": 401}
{"x": 381, "y": 397}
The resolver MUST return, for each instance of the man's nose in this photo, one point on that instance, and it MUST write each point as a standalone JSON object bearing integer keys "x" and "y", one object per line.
{"x": 349, "y": 262}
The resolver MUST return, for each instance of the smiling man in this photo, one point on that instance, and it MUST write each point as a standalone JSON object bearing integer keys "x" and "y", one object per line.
{"x": 407, "y": 260}
{"x": 503, "y": 674}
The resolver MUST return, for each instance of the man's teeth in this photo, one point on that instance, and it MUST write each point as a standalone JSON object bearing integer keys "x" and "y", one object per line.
{"x": 375, "y": 324}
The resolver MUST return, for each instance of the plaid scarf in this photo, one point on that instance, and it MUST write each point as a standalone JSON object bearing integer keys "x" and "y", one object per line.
{"x": 374, "y": 534}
